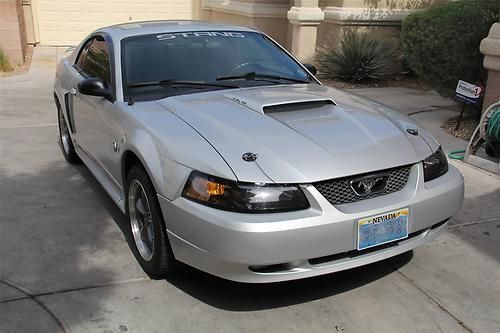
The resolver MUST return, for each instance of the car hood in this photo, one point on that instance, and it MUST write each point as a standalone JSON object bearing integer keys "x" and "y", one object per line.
{"x": 301, "y": 133}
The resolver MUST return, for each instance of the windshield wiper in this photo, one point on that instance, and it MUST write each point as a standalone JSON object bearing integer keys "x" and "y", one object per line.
{"x": 255, "y": 76}
{"x": 180, "y": 83}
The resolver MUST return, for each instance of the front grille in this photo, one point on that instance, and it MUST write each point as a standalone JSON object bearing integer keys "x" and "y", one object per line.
{"x": 338, "y": 191}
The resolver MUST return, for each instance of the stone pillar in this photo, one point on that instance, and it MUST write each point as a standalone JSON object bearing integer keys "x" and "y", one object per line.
{"x": 490, "y": 47}
{"x": 304, "y": 17}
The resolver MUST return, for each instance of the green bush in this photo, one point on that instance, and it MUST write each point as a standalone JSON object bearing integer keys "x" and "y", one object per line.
{"x": 441, "y": 43}
{"x": 359, "y": 57}
{"x": 4, "y": 63}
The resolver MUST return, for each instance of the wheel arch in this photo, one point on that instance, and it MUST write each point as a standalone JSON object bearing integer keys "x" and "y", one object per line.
{"x": 130, "y": 158}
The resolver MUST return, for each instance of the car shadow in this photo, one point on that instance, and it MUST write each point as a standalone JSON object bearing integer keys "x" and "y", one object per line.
{"x": 114, "y": 212}
{"x": 235, "y": 296}
{"x": 56, "y": 236}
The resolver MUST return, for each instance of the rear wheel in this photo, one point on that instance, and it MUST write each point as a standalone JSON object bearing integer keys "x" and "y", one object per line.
{"x": 65, "y": 142}
{"x": 148, "y": 237}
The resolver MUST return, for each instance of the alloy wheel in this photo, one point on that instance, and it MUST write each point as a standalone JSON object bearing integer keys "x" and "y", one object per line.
{"x": 141, "y": 221}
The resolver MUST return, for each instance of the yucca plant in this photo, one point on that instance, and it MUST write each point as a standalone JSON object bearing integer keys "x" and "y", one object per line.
{"x": 4, "y": 63}
{"x": 359, "y": 57}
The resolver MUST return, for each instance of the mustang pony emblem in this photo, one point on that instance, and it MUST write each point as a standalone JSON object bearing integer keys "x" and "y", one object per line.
{"x": 249, "y": 157}
{"x": 367, "y": 185}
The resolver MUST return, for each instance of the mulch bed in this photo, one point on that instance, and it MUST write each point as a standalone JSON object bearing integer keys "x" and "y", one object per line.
{"x": 403, "y": 81}
{"x": 466, "y": 129}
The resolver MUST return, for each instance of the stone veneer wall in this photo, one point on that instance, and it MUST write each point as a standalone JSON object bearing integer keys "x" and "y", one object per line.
{"x": 381, "y": 17}
{"x": 12, "y": 31}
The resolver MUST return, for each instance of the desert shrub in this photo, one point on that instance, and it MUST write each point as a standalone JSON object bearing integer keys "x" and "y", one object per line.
{"x": 4, "y": 63}
{"x": 441, "y": 43}
{"x": 359, "y": 57}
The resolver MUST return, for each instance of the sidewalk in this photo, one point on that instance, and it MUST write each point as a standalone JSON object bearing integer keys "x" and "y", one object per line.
{"x": 65, "y": 266}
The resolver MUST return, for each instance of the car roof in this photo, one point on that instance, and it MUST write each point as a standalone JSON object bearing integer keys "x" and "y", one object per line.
{"x": 128, "y": 29}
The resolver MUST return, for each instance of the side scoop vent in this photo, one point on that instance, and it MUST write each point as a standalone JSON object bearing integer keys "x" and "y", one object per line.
{"x": 298, "y": 106}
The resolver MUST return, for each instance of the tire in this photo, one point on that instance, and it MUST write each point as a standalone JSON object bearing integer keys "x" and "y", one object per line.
{"x": 65, "y": 143}
{"x": 147, "y": 235}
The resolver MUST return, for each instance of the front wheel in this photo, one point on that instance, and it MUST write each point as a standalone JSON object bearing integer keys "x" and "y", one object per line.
{"x": 148, "y": 237}
{"x": 65, "y": 142}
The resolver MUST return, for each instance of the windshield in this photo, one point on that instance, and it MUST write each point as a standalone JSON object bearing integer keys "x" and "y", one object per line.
{"x": 219, "y": 59}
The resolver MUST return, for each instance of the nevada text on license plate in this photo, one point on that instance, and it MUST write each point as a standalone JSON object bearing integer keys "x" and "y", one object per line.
{"x": 381, "y": 229}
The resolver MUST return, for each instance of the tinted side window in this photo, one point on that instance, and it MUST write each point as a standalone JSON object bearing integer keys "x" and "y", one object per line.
{"x": 95, "y": 61}
{"x": 83, "y": 52}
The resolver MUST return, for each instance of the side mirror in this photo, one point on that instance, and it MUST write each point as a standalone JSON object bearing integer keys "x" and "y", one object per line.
{"x": 94, "y": 86}
{"x": 311, "y": 68}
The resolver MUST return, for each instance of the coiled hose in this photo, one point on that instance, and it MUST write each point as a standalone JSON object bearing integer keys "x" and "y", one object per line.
{"x": 494, "y": 126}
{"x": 492, "y": 133}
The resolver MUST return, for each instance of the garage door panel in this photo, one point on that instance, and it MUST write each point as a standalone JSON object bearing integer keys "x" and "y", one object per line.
{"x": 67, "y": 22}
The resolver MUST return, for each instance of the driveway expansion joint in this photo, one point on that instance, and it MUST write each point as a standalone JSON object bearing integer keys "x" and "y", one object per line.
{"x": 431, "y": 299}
{"x": 472, "y": 223}
{"x": 32, "y": 297}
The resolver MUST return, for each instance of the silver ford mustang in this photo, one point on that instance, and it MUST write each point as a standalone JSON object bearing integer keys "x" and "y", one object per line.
{"x": 227, "y": 154}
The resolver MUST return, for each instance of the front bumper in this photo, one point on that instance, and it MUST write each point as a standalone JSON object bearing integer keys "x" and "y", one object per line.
{"x": 262, "y": 248}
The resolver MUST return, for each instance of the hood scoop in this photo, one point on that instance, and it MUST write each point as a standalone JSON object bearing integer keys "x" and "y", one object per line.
{"x": 297, "y": 106}
{"x": 278, "y": 99}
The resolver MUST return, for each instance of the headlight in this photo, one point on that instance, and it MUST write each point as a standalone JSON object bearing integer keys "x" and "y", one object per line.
{"x": 243, "y": 197}
{"x": 435, "y": 165}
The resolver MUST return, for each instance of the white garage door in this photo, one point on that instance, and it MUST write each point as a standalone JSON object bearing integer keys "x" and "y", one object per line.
{"x": 67, "y": 22}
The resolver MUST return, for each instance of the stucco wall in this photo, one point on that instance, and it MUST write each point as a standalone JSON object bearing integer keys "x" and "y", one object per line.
{"x": 12, "y": 31}
{"x": 266, "y": 15}
{"x": 275, "y": 27}
{"x": 380, "y": 17}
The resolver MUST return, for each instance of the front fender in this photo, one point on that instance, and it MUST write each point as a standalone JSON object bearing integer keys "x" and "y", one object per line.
{"x": 168, "y": 176}
{"x": 142, "y": 146}
{"x": 169, "y": 149}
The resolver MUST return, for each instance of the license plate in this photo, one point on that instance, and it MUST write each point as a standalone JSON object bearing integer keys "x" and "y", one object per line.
{"x": 381, "y": 229}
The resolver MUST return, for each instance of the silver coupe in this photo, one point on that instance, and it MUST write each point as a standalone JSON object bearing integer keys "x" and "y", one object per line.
{"x": 227, "y": 154}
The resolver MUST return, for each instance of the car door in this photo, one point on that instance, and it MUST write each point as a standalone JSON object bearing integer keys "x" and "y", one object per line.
{"x": 97, "y": 130}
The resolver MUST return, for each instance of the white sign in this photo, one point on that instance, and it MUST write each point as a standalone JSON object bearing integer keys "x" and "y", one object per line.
{"x": 468, "y": 92}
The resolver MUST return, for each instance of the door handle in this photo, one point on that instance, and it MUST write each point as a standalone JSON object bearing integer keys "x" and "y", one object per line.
{"x": 72, "y": 91}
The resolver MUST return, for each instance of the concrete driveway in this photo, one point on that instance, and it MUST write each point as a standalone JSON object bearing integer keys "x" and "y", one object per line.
{"x": 66, "y": 267}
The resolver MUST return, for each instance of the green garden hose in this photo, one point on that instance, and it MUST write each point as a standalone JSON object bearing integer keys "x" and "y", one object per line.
{"x": 490, "y": 131}
{"x": 457, "y": 154}
{"x": 494, "y": 126}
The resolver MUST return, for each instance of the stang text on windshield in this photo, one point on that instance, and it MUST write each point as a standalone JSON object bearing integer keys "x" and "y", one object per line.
{"x": 200, "y": 34}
